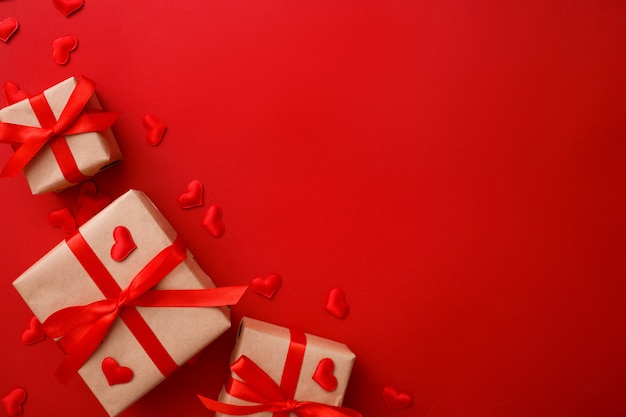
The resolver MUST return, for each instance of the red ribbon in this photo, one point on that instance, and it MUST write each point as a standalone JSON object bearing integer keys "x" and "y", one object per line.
{"x": 81, "y": 329}
{"x": 29, "y": 140}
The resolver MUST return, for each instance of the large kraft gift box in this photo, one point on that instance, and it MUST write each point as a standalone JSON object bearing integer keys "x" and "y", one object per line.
{"x": 60, "y": 281}
{"x": 79, "y": 148}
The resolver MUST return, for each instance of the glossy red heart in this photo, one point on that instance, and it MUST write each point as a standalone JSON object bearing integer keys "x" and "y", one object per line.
{"x": 34, "y": 333}
{"x": 155, "y": 129}
{"x": 67, "y": 7}
{"x": 212, "y": 221}
{"x": 8, "y": 27}
{"x": 13, "y": 401}
{"x": 114, "y": 373}
{"x": 324, "y": 375}
{"x": 91, "y": 201}
{"x": 62, "y": 219}
{"x": 124, "y": 244}
{"x": 395, "y": 399}
{"x": 62, "y": 47}
{"x": 12, "y": 92}
{"x": 193, "y": 196}
{"x": 336, "y": 304}
{"x": 267, "y": 286}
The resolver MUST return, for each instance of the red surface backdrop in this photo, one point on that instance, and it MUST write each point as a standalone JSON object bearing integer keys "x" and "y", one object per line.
{"x": 457, "y": 167}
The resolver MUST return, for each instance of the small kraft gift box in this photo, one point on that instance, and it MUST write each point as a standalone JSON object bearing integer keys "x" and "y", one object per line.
{"x": 282, "y": 372}
{"x": 60, "y": 137}
{"x": 125, "y": 301}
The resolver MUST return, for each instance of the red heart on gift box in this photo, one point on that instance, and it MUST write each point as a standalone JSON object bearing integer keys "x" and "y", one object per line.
{"x": 63, "y": 219}
{"x": 395, "y": 399}
{"x": 12, "y": 93}
{"x": 67, "y": 7}
{"x": 324, "y": 374}
{"x": 212, "y": 221}
{"x": 267, "y": 286}
{"x": 8, "y": 27}
{"x": 90, "y": 201}
{"x": 114, "y": 373}
{"x": 62, "y": 47}
{"x": 124, "y": 244}
{"x": 34, "y": 333}
{"x": 336, "y": 304}
{"x": 192, "y": 197}
{"x": 13, "y": 401}
{"x": 155, "y": 129}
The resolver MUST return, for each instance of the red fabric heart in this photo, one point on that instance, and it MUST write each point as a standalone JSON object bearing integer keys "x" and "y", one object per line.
{"x": 336, "y": 304}
{"x": 62, "y": 47}
{"x": 34, "y": 333}
{"x": 8, "y": 27}
{"x": 114, "y": 373}
{"x": 155, "y": 129}
{"x": 267, "y": 286}
{"x": 13, "y": 401}
{"x": 63, "y": 219}
{"x": 324, "y": 375}
{"x": 124, "y": 244}
{"x": 67, "y": 7}
{"x": 12, "y": 93}
{"x": 212, "y": 221}
{"x": 90, "y": 201}
{"x": 192, "y": 197}
{"x": 395, "y": 399}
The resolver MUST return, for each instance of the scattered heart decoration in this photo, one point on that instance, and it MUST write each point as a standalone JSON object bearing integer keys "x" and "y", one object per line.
{"x": 62, "y": 219}
{"x": 34, "y": 333}
{"x": 324, "y": 375}
{"x": 267, "y": 286}
{"x": 212, "y": 221}
{"x": 13, "y": 401}
{"x": 395, "y": 399}
{"x": 337, "y": 304}
{"x": 91, "y": 201}
{"x": 155, "y": 129}
{"x": 193, "y": 196}
{"x": 8, "y": 27}
{"x": 67, "y": 7}
{"x": 62, "y": 47}
{"x": 114, "y": 373}
{"x": 194, "y": 359}
{"x": 12, "y": 93}
{"x": 124, "y": 244}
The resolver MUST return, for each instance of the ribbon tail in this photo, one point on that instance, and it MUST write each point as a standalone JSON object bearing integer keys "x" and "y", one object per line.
{"x": 210, "y": 297}
{"x": 241, "y": 410}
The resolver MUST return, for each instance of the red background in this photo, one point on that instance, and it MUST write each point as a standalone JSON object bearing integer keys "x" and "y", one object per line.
{"x": 457, "y": 167}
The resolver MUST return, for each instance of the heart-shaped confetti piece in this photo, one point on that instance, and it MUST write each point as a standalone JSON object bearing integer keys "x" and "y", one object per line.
{"x": 212, "y": 221}
{"x": 90, "y": 201}
{"x": 34, "y": 333}
{"x": 124, "y": 244}
{"x": 395, "y": 399}
{"x": 193, "y": 196}
{"x": 114, "y": 373}
{"x": 267, "y": 286}
{"x": 62, "y": 47}
{"x": 155, "y": 129}
{"x": 12, "y": 93}
{"x": 67, "y": 7}
{"x": 336, "y": 304}
{"x": 13, "y": 401}
{"x": 8, "y": 27}
{"x": 63, "y": 219}
{"x": 324, "y": 375}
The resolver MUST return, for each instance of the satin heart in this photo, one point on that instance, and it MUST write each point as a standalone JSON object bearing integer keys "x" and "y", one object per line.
{"x": 62, "y": 219}
{"x": 13, "y": 401}
{"x": 336, "y": 304}
{"x": 124, "y": 244}
{"x": 212, "y": 221}
{"x": 12, "y": 93}
{"x": 114, "y": 373}
{"x": 324, "y": 375}
{"x": 67, "y": 7}
{"x": 34, "y": 333}
{"x": 192, "y": 197}
{"x": 8, "y": 27}
{"x": 267, "y": 286}
{"x": 90, "y": 201}
{"x": 155, "y": 129}
{"x": 62, "y": 47}
{"x": 395, "y": 399}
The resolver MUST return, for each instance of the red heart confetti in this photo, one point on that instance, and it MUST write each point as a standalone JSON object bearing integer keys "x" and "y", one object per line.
{"x": 62, "y": 219}
{"x": 267, "y": 286}
{"x": 8, "y": 27}
{"x": 194, "y": 359}
{"x": 12, "y": 92}
{"x": 13, "y": 401}
{"x": 212, "y": 221}
{"x": 90, "y": 201}
{"x": 34, "y": 333}
{"x": 62, "y": 47}
{"x": 336, "y": 304}
{"x": 324, "y": 375}
{"x": 124, "y": 244}
{"x": 155, "y": 129}
{"x": 395, "y": 399}
{"x": 67, "y": 7}
{"x": 114, "y": 373}
{"x": 193, "y": 196}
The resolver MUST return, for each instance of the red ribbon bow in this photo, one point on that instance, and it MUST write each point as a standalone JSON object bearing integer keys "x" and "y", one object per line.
{"x": 29, "y": 140}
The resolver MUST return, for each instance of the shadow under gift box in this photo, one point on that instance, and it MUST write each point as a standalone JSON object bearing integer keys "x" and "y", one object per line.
{"x": 58, "y": 280}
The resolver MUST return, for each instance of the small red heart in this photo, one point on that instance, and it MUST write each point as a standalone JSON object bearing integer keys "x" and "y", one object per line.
{"x": 63, "y": 219}
{"x": 212, "y": 221}
{"x": 194, "y": 359}
{"x": 34, "y": 333}
{"x": 114, "y": 373}
{"x": 124, "y": 244}
{"x": 192, "y": 197}
{"x": 336, "y": 304}
{"x": 13, "y": 402}
{"x": 90, "y": 201}
{"x": 395, "y": 399}
{"x": 8, "y": 27}
{"x": 62, "y": 47}
{"x": 267, "y": 286}
{"x": 324, "y": 375}
{"x": 12, "y": 93}
{"x": 67, "y": 7}
{"x": 155, "y": 129}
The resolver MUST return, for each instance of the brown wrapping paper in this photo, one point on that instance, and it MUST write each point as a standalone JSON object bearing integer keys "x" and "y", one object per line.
{"x": 267, "y": 345}
{"x": 58, "y": 280}
{"x": 92, "y": 151}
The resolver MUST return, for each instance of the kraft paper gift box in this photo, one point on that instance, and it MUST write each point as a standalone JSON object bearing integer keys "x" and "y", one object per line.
{"x": 73, "y": 144}
{"x": 87, "y": 272}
